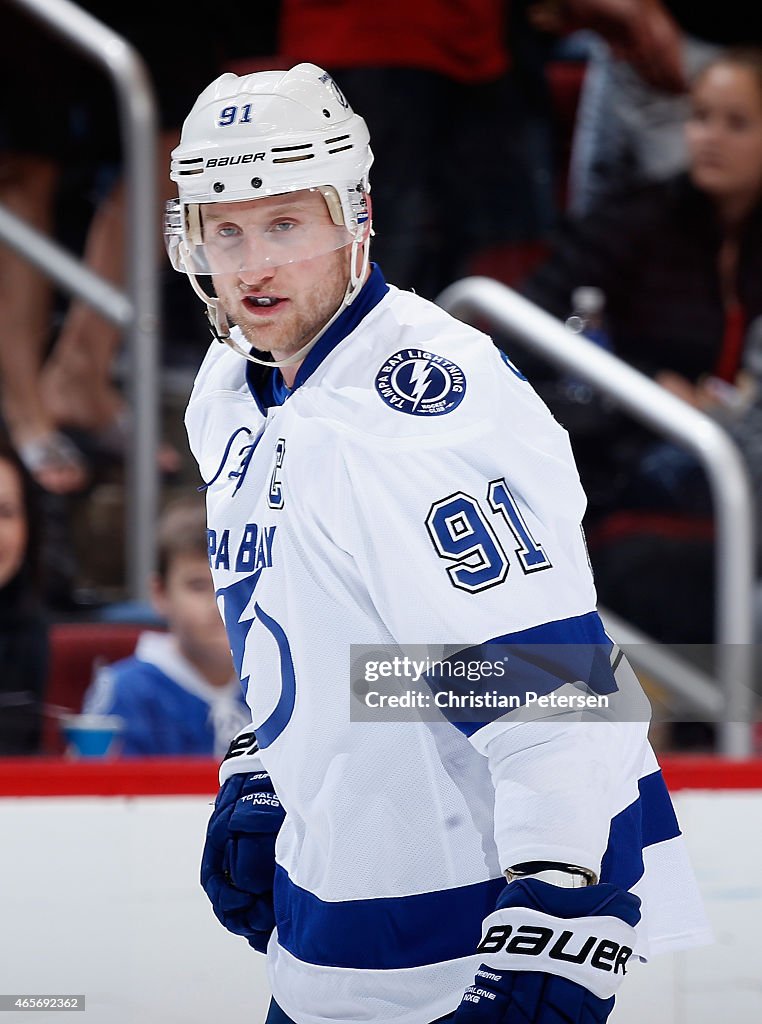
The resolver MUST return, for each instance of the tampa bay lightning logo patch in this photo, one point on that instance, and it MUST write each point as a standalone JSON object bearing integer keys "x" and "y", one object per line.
{"x": 421, "y": 383}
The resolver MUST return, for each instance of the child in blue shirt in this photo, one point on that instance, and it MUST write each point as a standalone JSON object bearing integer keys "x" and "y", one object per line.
{"x": 178, "y": 694}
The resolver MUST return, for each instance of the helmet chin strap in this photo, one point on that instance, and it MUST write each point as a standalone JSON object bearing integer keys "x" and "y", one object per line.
{"x": 218, "y": 323}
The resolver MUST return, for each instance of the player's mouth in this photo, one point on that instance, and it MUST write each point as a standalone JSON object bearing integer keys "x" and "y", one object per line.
{"x": 264, "y": 305}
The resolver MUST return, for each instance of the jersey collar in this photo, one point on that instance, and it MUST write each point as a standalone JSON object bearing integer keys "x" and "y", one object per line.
{"x": 268, "y": 387}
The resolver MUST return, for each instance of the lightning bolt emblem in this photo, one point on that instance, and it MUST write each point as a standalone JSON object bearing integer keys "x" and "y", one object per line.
{"x": 239, "y": 616}
{"x": 419, "y": 377}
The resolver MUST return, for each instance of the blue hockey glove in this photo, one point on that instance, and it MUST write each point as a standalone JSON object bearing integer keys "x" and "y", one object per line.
{"x": 552, "y": 955}
{"x": 238, "y": 862}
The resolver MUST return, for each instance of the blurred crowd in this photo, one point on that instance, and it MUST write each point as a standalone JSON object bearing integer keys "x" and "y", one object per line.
{"x": 565, "y": 147}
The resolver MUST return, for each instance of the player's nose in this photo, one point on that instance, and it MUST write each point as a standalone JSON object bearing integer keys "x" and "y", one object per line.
{"x": 259, "y": 272}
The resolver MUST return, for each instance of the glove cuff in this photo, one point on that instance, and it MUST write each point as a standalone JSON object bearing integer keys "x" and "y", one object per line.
{"x": 242, "y": 755}
{"x": 591, "y": 951}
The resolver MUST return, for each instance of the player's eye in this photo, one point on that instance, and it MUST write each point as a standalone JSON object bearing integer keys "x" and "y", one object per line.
{"x": 228, "y": 231}
{"x": 282, "y": 226}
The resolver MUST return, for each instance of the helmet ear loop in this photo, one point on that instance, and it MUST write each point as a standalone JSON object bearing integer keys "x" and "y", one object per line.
{"x": 218, "y": 321}
{"x": 356, "y": 278}
{"x": 215, "y": 314}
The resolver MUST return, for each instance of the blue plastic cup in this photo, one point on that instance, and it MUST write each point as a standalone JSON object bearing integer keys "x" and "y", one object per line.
{"x": 92, "y": 735}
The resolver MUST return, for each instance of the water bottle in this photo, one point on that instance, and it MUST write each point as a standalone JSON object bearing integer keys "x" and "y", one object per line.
{"x": 587, "y": 317}
{"x": 584, "y": 406}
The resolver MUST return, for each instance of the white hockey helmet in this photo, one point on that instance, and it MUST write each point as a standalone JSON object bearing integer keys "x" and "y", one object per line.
{"x": 266, "y": 134}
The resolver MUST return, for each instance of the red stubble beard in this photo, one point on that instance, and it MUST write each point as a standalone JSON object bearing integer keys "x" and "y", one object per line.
{"x": 309, "y": 293}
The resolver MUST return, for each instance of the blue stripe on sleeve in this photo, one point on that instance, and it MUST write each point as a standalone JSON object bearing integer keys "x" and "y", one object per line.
{"x": 389, "y": 933}
{"x": 539, "y": 659}
{"x": 648, "y": 820}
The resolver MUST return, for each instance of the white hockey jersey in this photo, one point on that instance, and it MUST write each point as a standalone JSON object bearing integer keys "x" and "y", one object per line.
{"x": 412, "y": 488}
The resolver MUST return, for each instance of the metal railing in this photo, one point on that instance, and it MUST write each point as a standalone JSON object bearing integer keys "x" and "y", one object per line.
{"x": 136, "y": 308}
{"x": 649, "y": 403}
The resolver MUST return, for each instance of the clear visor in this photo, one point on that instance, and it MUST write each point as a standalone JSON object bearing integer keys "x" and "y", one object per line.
{"x": 229, "y": 238}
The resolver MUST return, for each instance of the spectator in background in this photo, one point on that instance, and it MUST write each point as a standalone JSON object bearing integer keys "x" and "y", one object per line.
{"x": 60, "y": 138}
{"x": 635, "y": 95}
{"x": 680, "y": 261}
{"x": 23, "y": 623}
{"x": 178, "y": 694}
{"x": 453, "y": 168}
{"x": 680, "y": 264}
{"x": 462, "y": 117}
{"x": 31, "y": 160}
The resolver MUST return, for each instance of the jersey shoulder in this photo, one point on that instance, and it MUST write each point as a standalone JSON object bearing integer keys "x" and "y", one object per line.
{"x": 410, "y": 369}
{"x": 220, "y": 407}
{"x": 221, "y": 370}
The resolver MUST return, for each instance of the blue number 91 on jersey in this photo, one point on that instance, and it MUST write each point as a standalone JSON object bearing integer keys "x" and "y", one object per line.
{"x": 462, "y": 535}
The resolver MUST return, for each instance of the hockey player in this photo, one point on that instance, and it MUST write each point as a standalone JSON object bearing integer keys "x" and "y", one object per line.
{"x": 377, "y": 474}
